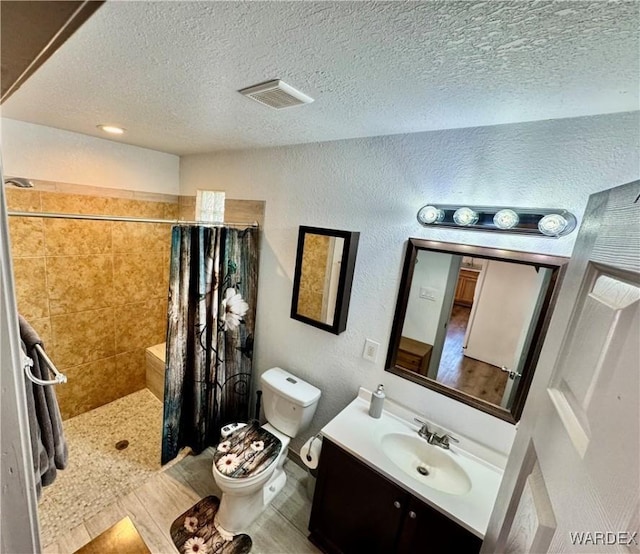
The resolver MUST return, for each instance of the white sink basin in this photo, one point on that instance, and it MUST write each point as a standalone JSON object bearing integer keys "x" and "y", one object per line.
{"x": 429, "y": 465}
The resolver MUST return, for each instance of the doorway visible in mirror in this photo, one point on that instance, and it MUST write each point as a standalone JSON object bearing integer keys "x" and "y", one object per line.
{"x": 466, "y": 287}
{"x": 470, "y": 322}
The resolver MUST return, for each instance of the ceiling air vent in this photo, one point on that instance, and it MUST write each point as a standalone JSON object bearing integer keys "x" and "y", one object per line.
{"x": 276, "y": 94}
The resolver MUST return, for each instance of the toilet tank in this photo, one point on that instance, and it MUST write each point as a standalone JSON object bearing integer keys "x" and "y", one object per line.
{"x": 289, "y": 402}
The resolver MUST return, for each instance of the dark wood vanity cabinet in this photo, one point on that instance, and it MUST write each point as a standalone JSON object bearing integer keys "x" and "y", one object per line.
{"x": 425, "y": 530}
{"x": 356, "y": 510}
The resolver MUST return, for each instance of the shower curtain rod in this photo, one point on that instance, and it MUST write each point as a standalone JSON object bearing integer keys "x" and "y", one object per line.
{"x": 54, "y": 215}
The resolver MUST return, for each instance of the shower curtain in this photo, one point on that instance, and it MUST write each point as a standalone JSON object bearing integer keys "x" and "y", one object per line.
{"x": 211, "y": 321}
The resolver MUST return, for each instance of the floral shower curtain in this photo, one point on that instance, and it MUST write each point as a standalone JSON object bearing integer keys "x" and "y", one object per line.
{"x": 211, "y": 320}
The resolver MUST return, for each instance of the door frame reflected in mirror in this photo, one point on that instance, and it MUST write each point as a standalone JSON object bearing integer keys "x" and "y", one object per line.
{"x": 557, "y": 266}
{"x": 343, "y": 292}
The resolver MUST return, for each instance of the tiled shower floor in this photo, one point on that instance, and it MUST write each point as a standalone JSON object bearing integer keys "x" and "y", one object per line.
{"x": 97, "y": 472}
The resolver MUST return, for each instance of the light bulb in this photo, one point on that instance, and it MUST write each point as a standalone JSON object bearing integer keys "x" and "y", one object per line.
{"x": 111, "y": 129}
{"x": 506, "y": 219}
{"x": 465, "y": 217}
{"x": 554, "y": 225}
{"x": 430, "y": 214}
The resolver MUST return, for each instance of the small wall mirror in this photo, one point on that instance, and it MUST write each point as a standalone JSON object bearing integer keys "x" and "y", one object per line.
{"x": 470, "y": 322}
{"x": 322, "y": 281}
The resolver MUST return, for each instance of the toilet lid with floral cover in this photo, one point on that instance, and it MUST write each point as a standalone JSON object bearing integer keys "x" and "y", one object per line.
{"x": 247, "y": 452}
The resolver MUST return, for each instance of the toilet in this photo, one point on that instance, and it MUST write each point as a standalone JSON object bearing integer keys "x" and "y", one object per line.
{"x": 248, "y": 465}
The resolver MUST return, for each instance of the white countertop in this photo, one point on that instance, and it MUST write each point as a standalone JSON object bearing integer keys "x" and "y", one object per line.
{"x": 360, "y": 435}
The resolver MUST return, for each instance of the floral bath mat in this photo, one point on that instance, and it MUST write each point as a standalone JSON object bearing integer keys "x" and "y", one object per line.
{"x": 195, "y": 533}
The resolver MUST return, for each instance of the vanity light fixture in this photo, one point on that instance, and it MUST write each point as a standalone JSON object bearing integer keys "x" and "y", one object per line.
{"x": 506, "y": 219}
{"x": 430, "y": 214}
{"x": 465, "y": 217}
{"x": 541, "y": 222}
{"x": 111, "y": 129}
{"x": 558, "y": 224}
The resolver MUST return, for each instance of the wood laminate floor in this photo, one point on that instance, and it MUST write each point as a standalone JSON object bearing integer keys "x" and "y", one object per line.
{"x": 102, "y": 485}
{"x": 280, "y": 529}
{"x": 465, "y": 374}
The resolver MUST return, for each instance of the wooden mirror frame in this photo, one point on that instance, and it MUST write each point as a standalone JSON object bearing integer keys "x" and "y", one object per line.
{"x": 347, "y": 266}
{"x": 557, "y": 264}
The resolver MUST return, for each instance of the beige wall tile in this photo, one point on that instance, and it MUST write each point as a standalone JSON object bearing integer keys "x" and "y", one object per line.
{"x": 235, "y": 211}
{"x": 244, "y": 211}
{"x": 171, "y": 211}
{"x": 23, "y": 200}
{"x": 138, "y": 277}
{"x": 89, "y": 386}
{"x": 67, "y": 237}
{"x": 83, "y": 337}
{"x": 27, "y": 236}
{"x": 136, "y": 208}
{"x": 77, "y": 280}
{"x": 131, "y": 371}
{"x": 43, "y": 328}
{"x": 140, "y": 325}
{"x": 187, "y": 213}
{"x": 79, "y": 283}
{"x": 140, "y": 237}
{"x": 75, "y": 203}
{"x": 31, "y": 287}
{"x": 187, "y": 201}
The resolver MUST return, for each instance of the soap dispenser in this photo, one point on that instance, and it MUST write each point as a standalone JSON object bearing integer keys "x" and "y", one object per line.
{"x": 377, "y": 400}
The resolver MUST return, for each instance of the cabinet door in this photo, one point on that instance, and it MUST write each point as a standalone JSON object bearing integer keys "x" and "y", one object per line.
{"x": 425, "y": 531}
{"x": 355, "y": 510}
{"x": 466, "y": 288}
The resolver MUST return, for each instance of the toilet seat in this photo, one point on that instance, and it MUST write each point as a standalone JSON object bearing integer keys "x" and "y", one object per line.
{"x": 247, "y": 455}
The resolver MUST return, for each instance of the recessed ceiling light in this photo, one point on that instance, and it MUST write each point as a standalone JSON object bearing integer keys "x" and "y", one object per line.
{"x": 111, "y": 129}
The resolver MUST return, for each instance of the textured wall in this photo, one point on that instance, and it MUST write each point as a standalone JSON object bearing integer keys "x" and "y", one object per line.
{"x": 96, "y": 291}
{"x": 38, "y": 152}
{"x": 376, "y": 186}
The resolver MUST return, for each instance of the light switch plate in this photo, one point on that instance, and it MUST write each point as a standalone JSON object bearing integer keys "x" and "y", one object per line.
{"x": 428, "y": 293}
{"x": 370, "y": 352}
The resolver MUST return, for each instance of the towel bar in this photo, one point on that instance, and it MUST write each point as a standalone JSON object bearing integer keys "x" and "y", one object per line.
{"x": 28, "y": 363}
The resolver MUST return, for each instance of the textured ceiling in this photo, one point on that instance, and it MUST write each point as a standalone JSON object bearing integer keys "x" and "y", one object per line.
{"x": 169, "y": 71}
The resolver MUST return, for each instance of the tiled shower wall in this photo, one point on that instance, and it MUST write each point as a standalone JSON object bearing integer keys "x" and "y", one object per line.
{"x": 96, "y": 291}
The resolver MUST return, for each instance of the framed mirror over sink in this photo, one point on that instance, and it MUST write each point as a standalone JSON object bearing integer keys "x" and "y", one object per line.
{"x": 470, "y": 322}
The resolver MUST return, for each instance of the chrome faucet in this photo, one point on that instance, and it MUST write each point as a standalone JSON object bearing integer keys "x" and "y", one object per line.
{"x": 433, "y": 438}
